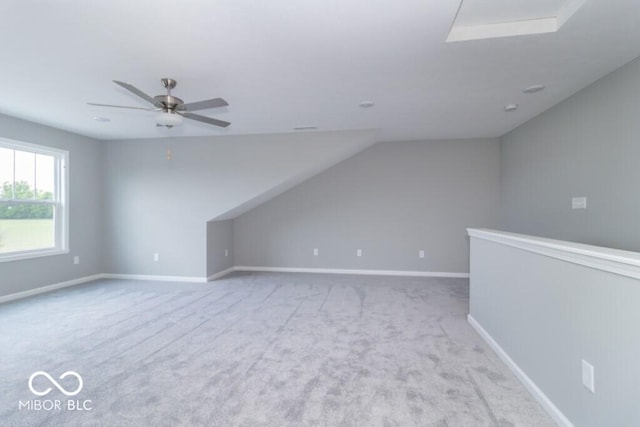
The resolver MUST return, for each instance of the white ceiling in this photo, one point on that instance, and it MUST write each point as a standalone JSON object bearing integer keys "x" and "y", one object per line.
{"x": 287, "y": 63}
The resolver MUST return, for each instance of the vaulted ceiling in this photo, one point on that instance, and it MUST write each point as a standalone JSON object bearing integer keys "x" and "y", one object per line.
{"x": 283, "y": 64}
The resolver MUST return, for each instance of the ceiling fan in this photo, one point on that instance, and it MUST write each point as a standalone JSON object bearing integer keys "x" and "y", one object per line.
{"x": 171, "y": 109}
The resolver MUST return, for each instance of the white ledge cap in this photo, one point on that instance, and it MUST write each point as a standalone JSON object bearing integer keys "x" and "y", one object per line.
{"x": 625, "y": 263}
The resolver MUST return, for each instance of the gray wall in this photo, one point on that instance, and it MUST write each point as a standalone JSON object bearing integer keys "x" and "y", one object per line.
{"x": 86, "y": 210}
{"x": 391, "y": 200}
{"x": 548, "y": 315}
{"x": 219, "y": 246}
{"x": 155, "y": 205}
{"x": 589, "y": 145}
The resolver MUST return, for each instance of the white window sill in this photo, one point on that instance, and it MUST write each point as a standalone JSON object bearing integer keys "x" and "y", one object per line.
{"x": 15, "y": 256}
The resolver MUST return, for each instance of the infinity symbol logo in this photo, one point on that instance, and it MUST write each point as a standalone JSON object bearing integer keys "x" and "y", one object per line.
{"x": 55, "y": 383}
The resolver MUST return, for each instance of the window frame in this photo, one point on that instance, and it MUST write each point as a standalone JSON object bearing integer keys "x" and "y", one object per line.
{"x": 60, "y": 204}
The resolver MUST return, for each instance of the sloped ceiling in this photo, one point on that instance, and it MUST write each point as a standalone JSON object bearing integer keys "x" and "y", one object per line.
{"x": 285, "y": 63}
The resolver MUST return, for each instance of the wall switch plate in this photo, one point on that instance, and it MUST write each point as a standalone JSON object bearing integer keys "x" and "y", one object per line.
{"x": 359, "y": 252}
{"x": 76, "y": 259}
{"x": 156, "y": 257}
{"x": 421, "y": 253}
{"x": 226, "y": 252}
{"x": 315, "y": 252}
{"x": 588, "y": 376}
{"x": 579, "y": 203}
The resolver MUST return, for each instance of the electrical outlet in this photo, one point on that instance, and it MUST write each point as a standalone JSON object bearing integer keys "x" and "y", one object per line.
{"x": 421, "y": 253}
{"x": 76, "y": 259}
{"x": 359, "y": 252}
{"x": 315, "y": 252}
{"x": 588, "y": 379}
{"x": 156, "y": 257}
{"x": 579, "y": 203}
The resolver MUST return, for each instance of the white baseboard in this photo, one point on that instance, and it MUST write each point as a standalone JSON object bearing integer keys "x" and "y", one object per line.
{"x": 352, "y": 271}
{"x": 190, "y": 279}
{"x": 538, "y": 394}
{"x": 49, "y": 288}
{"x": 221, "y": 274}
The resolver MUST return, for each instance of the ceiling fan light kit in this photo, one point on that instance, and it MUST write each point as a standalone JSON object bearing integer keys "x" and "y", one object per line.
{"x": 171, "y": 110}
{"x": 168, "y": 119}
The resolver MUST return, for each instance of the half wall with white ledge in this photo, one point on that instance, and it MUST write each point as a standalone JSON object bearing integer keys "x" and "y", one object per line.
{"x": 565, "y": 317}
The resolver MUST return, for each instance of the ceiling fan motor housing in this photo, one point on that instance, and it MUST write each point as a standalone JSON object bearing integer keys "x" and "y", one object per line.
{"x": 168, "y": 102}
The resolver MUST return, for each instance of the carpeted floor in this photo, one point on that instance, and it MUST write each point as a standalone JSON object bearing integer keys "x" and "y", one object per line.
{"x": 257, "y": 349}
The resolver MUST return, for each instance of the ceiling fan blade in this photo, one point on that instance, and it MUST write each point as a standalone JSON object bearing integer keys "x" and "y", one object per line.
{"x": 204, "y": 119}
{"x": 203, "y": 105}
{"x": 136, "y": 91}
{"x": 122, "y": 106}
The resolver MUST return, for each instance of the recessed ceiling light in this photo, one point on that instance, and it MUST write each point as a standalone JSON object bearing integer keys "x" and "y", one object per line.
{"x": 533, "y": 89}
{"x": 101, "y": 119}
{"x": 305, "y": 127}
{"x": 510, "y": 107}
{"x": 367, "y": 104}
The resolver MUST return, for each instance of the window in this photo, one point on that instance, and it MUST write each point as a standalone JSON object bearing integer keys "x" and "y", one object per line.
{"x": 33, "y": 200}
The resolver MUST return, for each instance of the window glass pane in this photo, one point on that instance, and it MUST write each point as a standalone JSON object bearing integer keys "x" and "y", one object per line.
{"x": 32, "y": 213}
{"x": 25, "y": 175}
{"x": 6, "y": 173}
{"x": 45, "y": 182}
{"x": 26, "y": 227}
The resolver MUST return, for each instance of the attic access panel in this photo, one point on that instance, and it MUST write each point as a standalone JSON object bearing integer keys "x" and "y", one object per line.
{"x": 486, "y": 19}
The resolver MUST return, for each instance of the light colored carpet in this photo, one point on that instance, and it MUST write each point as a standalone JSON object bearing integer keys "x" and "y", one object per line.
{"x": 259, "y": 349}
